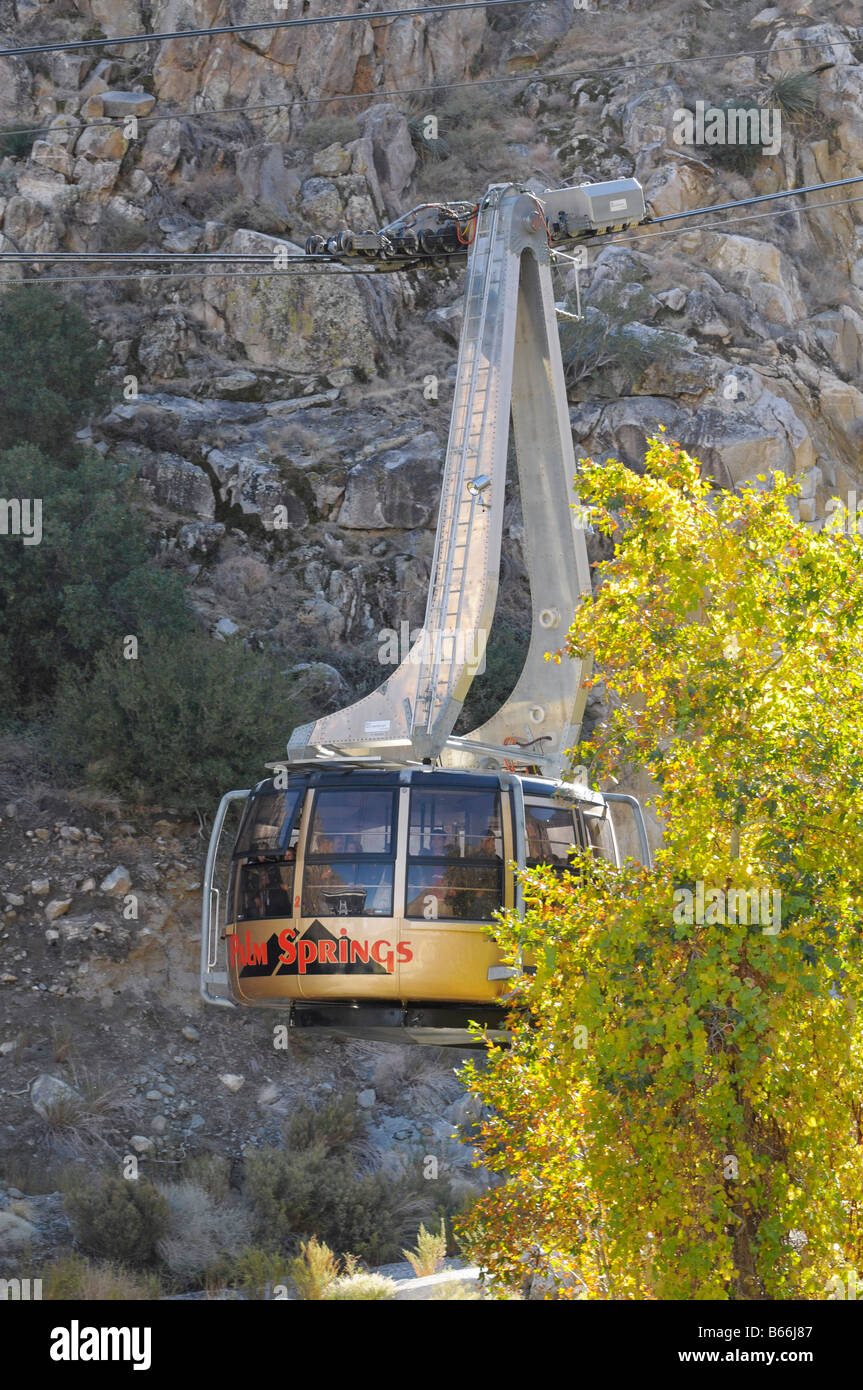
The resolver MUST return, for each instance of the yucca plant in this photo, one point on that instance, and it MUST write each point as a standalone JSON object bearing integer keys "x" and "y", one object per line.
{"x": 796, "y": 95}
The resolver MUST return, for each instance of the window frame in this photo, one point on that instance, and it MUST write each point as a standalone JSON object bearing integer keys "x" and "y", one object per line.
{"x": 312, "y": 858}
{"x": 496, "y": 862}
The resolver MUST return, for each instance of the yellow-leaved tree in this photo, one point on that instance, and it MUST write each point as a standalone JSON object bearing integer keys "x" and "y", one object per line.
{"x": 680, "y": 1114}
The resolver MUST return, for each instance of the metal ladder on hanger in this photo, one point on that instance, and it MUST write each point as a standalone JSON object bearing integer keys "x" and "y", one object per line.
{"x": 475, "y": 395}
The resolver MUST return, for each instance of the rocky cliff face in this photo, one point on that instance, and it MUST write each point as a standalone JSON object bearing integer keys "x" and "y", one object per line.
{"x": 280, "y": 425}
{"x": 288, "y": 453}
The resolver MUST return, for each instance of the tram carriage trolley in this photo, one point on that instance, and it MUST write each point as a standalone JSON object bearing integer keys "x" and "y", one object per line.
{"x": 357, "y": 895}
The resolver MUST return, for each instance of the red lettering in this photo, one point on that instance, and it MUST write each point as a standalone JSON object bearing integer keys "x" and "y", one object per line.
{"x": 235, "y": 948}
{"x": 404, "y": 952}
{"x": 306, "y": 952}
{"x": 382, "y": 953}
{"x": 343, "y": 947}
{"x": 289, "y": 950}
{"x": 359, "y": 952}
{"x": 327, "y": 952}
{"x": 259, "y": 953}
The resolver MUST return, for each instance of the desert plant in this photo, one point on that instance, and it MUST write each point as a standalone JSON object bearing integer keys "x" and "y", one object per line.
{"x": 89, "y": 1119}
{"x": 609, "y": 334}
{"x": 430, "y": 1251}
{"x": 311, "y": 1192}
{"x": 119, "y": 1219}
{"x": 360, "y": 1286}
{"x": 504, "y": 657}
{"x": 208, "y": 193}
{"x": 257, "y": 1271}
{"x": 88, "y": 582}
{"x": 16, "y": 142}
{"x": 314, "y": 1269}
{"x": 338, "y": 1125}
{"x": 31, "y": 1173}
{"x": 421, "y": 1076}
{"x": 257, "y": 217}
{"x": 62, "y": 1036}
{"x": 178, "y": 726}
{"x": 426, "y": 145}
{"x": 72, "y": 1277}
{"x": 796, "y": 94}
{"x": 328, "y": 130}
{"x": 212, "y": 1172}
{"x": 741, "y": 155}
{"x": 53, "y": 371}
{"x": 201, "y": 1232}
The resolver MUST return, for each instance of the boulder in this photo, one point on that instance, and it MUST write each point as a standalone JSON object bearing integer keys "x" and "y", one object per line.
{"x": 299, "y": 323}
{"x": 320, "y": 204}
{"x": 332, "y": 161}
{"x": 10, "y": 271}
{"x": 49, "y": 1092}
{"x": 96, "y": 177}
{"x": 393, "y": 152}
{"x": 162, "y": 346}
{"x": 232, "y": 1081}
{"x": 764, "y": 273}
{"x": 537, "y": 32}
{"x": 840, "y": 333}
{"x": 176, "y": 483}
{"x": 117, "y": 883}
{"x": 255, "y": 485}
{"x": 181, "y": 235}
{"x": 122, "y": 104}
{"x": 121, "y": 16}
{"x": 16, "y": 104}
{"x": 102, "y": 142}
{"x": 320, "y": 681}
{"x": 200, "y": 537}
{"x": 56, "y": 908}
{"x": 162, "y": 144}
{"x": 446, "y": 323}
{"x": 159, "y": 416}
{"x": 52, "y": 156}
{"x": 265, "y": 180}
{"x": 16, "y": 1234}
{"x": 399, "y": 488}
{"x": 677, "y": 185}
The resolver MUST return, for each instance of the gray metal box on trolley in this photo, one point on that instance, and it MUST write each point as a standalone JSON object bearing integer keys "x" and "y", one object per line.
{"x": 594, "y": 207}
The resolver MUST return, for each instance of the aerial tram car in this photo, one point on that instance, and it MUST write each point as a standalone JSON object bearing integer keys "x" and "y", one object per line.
{"x": 367, "y": 867}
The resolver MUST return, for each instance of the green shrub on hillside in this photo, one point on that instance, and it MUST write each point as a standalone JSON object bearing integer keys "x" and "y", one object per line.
{"x": 320, "y": 1185}
{"x": 87, "y": 583}
{"x": 51, "y": 370}
{"x": 178, "y": 726}
{"x": 16, "y": 142}
{"x": 118, "y": 1219}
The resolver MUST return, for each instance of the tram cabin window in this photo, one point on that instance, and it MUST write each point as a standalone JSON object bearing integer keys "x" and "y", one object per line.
{"x": 553, "y": 830}
{"x": 350, "y": 854}
{"x": 267, "y": 844}
{"x": 551, "y": 833}
{"x": 455, "y": 855}
{"x": 597, "y": 827}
